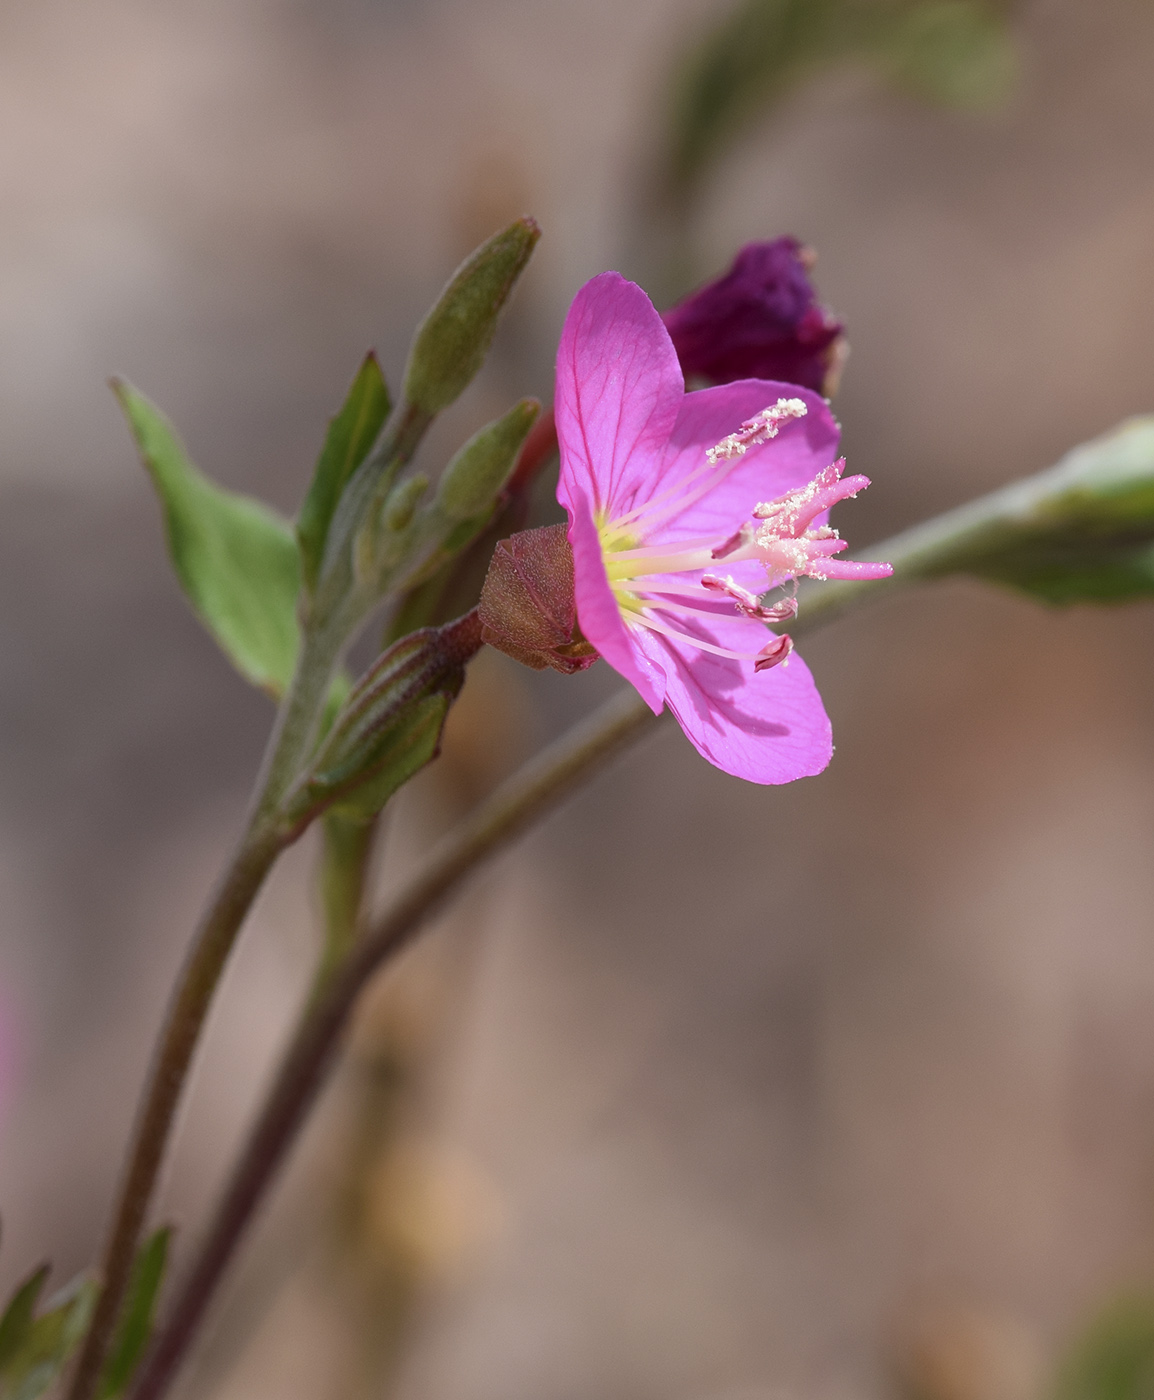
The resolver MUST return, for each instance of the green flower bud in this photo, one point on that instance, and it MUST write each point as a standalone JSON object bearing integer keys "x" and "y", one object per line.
{"x": 402, "y": 502}
{"x": 453, "y": 339}
{"x": 471, "y": 483}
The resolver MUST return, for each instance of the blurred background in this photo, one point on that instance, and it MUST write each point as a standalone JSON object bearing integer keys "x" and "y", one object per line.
{"x": 839, "y": 1090}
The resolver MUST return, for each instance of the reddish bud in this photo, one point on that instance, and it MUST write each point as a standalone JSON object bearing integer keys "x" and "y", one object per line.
{"x": 528, "y": 606}
{"x": 762, "y": 320}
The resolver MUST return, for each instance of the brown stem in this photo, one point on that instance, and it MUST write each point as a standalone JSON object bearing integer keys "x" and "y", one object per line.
{"x": 538, "y": 786}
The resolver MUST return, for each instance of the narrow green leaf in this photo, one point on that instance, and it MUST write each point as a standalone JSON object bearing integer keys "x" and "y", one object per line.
{"x": 49, "y": 1342}
{"x": 1114, "y": 1358}
{"x": 236, "y": 559}
{"x": 350, "y": 437}
{"x": 135, "y": 1327}
{"x": 18, "y": 1315}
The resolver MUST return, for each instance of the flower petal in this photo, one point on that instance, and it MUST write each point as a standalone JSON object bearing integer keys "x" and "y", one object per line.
{"x": 598, "y": 613}
{"x": 619, "y": 389}
{"x": 767, "y": 728}
{"x": 794, "y": 457}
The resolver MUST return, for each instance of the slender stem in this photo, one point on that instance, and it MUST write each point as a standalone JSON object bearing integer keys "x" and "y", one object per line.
{"x": 220, "y": 924}
{"x": 347, "y": 848}
{"x": 536, "y": 788}
{"x": 927, "y": 551}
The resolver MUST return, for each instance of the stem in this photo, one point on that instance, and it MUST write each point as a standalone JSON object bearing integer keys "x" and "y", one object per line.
{"x": 263, "y": 841}
{"x": 538, "y": 786}
{"x": 927, "y": 551}
{"x": 346, "y": 855}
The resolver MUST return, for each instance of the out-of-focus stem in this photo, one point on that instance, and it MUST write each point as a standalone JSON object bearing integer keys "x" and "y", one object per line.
{"x": 347, "y": 850}
{"x": 540, "y": 785}
{"x": 932, "y": 550}
{"x": 220, "y": 924}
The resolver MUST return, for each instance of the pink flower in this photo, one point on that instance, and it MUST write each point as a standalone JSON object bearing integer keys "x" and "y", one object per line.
{"x": 684, "y": 509}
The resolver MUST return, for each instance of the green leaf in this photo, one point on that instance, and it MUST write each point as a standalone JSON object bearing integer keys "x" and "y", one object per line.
{"x": 1114, "y": 1359}
{"x": 19, "y": 1314}
{"x": 957, "y": 52}
{"x": 49, "y": 1342}
{"x": 350, "y": 437}
{"x": 135, "y": 1328}
{"x": 236, "y": 559}
{"x": 1082, "y": 532}
{"x": 953, "y": 52}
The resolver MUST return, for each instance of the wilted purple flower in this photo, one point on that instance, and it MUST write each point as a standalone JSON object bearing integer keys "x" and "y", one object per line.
{"x": 762, "y": 320}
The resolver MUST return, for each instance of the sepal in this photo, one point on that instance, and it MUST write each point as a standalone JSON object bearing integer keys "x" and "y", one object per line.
{"x": 390, "y": 725}
{"x": 528, "y": 605}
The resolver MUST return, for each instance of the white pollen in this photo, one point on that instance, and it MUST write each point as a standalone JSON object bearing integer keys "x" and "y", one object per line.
{"x": 757, "y": 430}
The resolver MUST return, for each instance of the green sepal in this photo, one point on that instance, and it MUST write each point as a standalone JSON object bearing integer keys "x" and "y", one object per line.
{"x": 389, "y": 727}
{"x": 1082, "y": 532}
{"x": 451, "y": 342}
{"x": 350, "y": 437}
{"x": 135, "y": 1327}
{"x": 19, "y": 1315}
{"x": 1114, "y": 1358}
{"x": 410, "y": 743}
{"x": 471, "y": 483}
{"x": 49, "y": 1341}
{"x": 236, "y": 559}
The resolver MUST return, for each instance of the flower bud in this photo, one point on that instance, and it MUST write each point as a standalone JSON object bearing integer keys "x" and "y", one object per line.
{"x": 528, "y": 608}
{"x": 762, "y": 320}
{"x": 470, "y": 484}
{"x": 453, "y": 339}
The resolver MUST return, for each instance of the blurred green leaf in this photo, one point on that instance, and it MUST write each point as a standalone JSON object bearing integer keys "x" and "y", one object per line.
{"x": 1114, "y": 1358}
{"x": 135, "y": 1328}
{"x": 48, "y": 1343}
{"x": 1082, "y": 532}
{"x": 350, "y": 437}
{"x": 953, "y": 52}
{"x": 19, "y": 1314}
{"x": 236, "y": 559}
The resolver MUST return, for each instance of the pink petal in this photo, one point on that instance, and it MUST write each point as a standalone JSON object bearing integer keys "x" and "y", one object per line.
{"x": 767, "y": 728}
{"x": 598, "y": 613}
{"x": 619, "y": 389}
{"x": 792, "y": 459}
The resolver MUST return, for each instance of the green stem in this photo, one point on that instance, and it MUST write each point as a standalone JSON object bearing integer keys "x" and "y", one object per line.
{"x": 347, "y": 846}
{"x": 263, "y": 841}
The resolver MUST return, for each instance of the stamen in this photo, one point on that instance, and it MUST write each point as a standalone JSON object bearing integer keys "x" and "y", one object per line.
{"x": 746, "y": 603}
{"x": 654, "y": 626}
{"x": 756, "y": 430}
{"x": 775, "y": 653}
